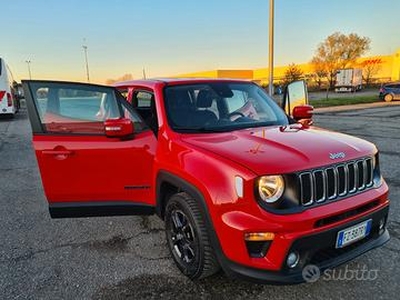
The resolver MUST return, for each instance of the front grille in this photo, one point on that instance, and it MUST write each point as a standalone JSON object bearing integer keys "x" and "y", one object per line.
{"x": 335, "y": 181}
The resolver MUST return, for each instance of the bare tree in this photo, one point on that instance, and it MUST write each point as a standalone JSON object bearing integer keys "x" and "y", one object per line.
{"x": 369, "y": 71}
{"x": 339, "y": 51}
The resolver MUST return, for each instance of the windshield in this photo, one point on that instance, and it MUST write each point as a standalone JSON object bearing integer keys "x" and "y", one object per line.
{"x": 220, "y": 106}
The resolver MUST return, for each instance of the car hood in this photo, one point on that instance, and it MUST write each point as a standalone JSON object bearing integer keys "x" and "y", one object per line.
{"x": 285, "y": 149}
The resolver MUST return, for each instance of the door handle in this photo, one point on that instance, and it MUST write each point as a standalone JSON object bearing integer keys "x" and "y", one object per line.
{"x": 57, "y": 152}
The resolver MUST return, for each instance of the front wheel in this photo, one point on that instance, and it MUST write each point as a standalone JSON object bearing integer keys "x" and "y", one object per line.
{"x": 187, "y": 237}
{"x": 388, "y": 97}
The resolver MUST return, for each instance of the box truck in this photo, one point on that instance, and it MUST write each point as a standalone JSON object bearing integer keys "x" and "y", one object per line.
{"x": 348, "y": 80}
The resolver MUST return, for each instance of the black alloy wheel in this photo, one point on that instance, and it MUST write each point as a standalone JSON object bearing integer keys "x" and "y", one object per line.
{"x": 187, "y": 237}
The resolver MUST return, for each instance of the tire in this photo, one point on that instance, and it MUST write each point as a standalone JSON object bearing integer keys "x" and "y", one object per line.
{"x": 388, "y": 97}
{"x": 187, "y": 237}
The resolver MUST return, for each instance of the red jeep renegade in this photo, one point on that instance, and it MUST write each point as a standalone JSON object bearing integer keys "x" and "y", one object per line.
{"x": 241, "y": 185}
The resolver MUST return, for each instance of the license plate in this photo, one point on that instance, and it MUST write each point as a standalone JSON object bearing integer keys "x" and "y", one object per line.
{"x": 352, "y": 234}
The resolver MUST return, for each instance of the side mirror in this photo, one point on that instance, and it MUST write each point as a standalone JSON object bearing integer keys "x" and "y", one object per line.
{"x": 20, "y": 92}
{"x": 303, "y": 112}
{"x": 295, "y": 94}
{"x": 121, "y": 127}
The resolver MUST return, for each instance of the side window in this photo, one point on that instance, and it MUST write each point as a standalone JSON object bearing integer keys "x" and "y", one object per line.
{"x": 143, "y": 103}
{"x": 87, "y": 105}
{"x": 130, "y": 113}
{"x": 124, "y": 93}
{"x": 74, "y": 108}
{"x": 143, "y": 99}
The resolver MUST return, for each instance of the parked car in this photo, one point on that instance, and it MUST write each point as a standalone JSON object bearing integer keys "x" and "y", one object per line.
{"x": 390, "y": 91}
{"x": 9, "y": 103}
{"x": 240, "y": 184}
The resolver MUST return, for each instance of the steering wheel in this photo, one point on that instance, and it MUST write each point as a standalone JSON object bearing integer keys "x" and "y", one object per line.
{"x": 238, "y": 113}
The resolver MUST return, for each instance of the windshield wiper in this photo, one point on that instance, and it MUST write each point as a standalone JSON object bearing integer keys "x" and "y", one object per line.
{"x": 230, "y": 127}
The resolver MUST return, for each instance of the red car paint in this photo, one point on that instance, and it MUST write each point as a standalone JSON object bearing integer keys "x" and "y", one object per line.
{"x": 100, "y": 168}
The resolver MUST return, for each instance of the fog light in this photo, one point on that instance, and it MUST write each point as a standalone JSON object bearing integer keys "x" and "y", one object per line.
{"x": 293, "y": 259}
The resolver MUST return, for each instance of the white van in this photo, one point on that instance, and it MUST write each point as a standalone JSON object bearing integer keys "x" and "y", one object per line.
{"x": 9, "y": 103}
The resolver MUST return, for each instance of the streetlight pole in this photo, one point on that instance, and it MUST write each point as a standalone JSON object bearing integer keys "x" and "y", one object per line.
{"x": 28, "y": 62}
{"x": 271, "y": 48}
{"x": 86, "y": 60}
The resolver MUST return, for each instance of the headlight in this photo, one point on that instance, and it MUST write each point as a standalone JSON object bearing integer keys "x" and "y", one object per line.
{"x": 270, "y": 188}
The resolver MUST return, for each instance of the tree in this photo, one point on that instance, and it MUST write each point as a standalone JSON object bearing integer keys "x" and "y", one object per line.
{"x": 292, "y": 73}
{"x": 370, "y": 69}
{"x": 319, "y": 73}
{"x": 124, "y": 77}
{"x": 339, "y": 51}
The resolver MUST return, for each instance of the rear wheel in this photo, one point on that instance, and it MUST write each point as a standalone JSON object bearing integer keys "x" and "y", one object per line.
{"x": 388, "y": 97}
{"x": 187, "y": 237}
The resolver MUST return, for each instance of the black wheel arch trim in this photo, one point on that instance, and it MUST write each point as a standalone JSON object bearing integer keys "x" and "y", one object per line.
{"x": 184, "y": 186}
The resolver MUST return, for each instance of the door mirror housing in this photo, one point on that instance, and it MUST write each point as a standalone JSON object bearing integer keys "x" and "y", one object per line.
{"x": 120, "y": 128}
{"x": 303, "y": 112}
{"x": 20, "y": 92}
{"x": 295, "y": 94}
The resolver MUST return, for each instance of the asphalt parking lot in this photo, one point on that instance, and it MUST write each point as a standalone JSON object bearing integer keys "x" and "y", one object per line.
{"x": 127, "y": 257}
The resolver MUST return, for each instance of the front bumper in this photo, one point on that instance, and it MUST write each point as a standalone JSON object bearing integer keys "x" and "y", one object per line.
{"x": 7, "y": 109}
{"x": 316, "y": 249}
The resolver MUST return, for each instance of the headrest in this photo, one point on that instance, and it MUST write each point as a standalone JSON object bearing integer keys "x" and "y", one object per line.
{"x": 204, "y": 99}
{"x": 179, "y": 99}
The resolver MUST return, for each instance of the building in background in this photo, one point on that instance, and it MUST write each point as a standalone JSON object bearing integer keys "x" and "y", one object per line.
{"x": 376, "y": 69}
{"x": 237, "y": 74}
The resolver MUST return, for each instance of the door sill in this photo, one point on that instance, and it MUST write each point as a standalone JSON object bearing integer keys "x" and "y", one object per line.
{"x": 98, "y": 209}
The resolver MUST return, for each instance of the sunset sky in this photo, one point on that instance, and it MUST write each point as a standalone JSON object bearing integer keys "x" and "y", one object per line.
{"x": 179, "y": 36}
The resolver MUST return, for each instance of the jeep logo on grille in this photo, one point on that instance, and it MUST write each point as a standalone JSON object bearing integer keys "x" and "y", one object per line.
{"x": 337, "y": 155}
